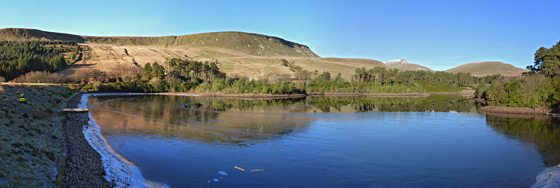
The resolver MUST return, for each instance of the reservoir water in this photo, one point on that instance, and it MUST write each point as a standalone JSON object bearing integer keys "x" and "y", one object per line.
{"x": 435, "y": 141}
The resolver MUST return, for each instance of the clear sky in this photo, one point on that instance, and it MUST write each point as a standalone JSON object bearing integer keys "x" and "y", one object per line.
{"x": 438, "y": 34}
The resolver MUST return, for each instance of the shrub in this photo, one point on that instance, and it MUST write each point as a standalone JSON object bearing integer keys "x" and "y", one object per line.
{"x": 90, "y": 75}
{"x": 129, "y": 78}
{"x": 155, "y": 82}
{"x": 40, "y": 77}
{"x": 95, "y": 86}
{"x": 529, "y": 91}
{"x": 480, "y": 91}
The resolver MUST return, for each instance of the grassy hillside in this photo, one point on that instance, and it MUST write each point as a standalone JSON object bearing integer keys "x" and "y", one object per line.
{"x": 248, "y": 43}
{"x": 239, "y": 54}
{"x": 404, "y": 65}
{"x": 107, "y": 57}
{"x": 488, "y": 68}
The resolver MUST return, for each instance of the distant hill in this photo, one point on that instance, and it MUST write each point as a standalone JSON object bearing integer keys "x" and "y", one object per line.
{"x": 404, "y": 65}
{"x": 248, "y": 43}
{"x": 488, "y": 68}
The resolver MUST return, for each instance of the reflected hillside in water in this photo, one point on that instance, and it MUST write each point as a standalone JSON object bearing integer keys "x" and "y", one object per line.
{"x": 237, "y": 121}
{"x": 438, "y": 103}
{"x": 165, "y": 117}
{"x": 543, "y": 132}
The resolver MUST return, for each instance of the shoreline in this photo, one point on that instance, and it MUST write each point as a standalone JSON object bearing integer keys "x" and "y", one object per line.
{"x": 329, "y": 94}
{"x": 290, "y": 96}
{"x": 83, "y": 166}
{"x": 548, "y": 178}
{"x": 122, "y": 173}
{"x": 119, "y": 171}
{"x": 545, "y": 111}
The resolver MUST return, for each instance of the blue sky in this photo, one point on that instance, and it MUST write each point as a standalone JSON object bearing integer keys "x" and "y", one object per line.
{"x": 439, "y": 34}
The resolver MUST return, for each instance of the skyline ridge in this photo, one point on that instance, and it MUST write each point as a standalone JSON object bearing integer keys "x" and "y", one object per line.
{"x": 258, "y": 34}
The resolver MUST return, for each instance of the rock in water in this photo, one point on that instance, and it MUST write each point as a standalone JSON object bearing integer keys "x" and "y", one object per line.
{"x": 222, "y": 173}
{"x": 550, "y": 178}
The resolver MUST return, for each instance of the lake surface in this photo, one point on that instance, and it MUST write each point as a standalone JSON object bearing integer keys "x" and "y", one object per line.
{"x": 435, "y": 141}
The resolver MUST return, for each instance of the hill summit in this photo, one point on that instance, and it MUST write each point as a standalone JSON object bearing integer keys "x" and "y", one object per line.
{"x": 488, "y": 68}
{"x": 403, "y": 65}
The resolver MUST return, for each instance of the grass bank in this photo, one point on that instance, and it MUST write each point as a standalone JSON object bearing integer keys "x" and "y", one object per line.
{"x": 31, "y": 136}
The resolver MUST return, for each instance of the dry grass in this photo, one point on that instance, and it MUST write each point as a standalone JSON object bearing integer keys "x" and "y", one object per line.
{"x": 40, "y": 77}
{"x": 107, "y": 58}
{"x": 488, "y": 68}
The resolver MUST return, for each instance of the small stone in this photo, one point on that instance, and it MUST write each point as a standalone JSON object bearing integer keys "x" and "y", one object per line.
{"x": 223, "y": 173}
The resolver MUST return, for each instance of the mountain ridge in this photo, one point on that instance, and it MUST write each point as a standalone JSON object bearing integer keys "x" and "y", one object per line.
{"x": 250, "y": 43}
{"x": 240, "y": 53}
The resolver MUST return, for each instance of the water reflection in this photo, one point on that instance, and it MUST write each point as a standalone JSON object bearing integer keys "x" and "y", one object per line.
{"x": 165, "y": 116}
{"x": 438, "y": 103}
{"x": 342, "y": 148}
{"x": 200, "y": 118}
{"x": 542, "y": 131}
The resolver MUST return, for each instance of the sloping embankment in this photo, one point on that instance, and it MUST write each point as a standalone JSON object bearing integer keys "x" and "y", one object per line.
{"x": 83, "y": 164}
{"x": 118, "y": 170}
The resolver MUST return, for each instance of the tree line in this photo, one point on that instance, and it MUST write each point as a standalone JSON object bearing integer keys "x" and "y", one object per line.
{"x": 180, "y": 75}
{"x": 382, "y": 80}
{"x": 540, "y": 87}
{"x": 17, "y": 58}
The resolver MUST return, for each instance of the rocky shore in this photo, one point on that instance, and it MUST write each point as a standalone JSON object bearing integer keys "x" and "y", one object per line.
{"x": 521, "y": 110}
{"x": 83, "y": 167}
{"x": 119, "y": 171}
{"x": 550, "y": 178}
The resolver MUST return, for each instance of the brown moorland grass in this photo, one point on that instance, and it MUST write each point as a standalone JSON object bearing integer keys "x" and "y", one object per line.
{"x": 488, "y": 68}
{"x": 108, "y": 58}
{"x": 249, "y": 55}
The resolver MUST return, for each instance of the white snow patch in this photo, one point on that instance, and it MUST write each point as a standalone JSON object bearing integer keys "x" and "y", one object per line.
{"x": 397, "y": 61}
